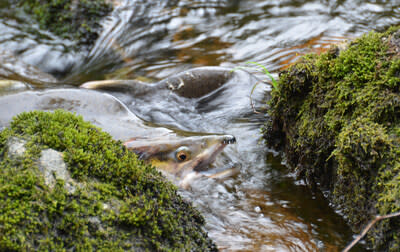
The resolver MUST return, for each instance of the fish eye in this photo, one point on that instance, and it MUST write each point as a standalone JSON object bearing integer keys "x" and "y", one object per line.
{"x": 182, "y": 154}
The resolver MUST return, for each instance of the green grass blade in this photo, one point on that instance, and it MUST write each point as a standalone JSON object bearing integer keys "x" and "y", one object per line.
{"x": 266, "y": 72}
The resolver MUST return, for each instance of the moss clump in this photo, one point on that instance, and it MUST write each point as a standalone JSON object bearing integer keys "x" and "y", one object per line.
{"x": 75, "y": 20}
{"x": 119, "y": 202}
{"x": 337, "y": 117}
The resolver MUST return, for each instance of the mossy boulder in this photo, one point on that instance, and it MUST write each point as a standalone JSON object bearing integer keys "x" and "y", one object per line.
{"x": 71, "y": 19}
{"x": 336, "y": 116}
{"x": 106, "y": 199}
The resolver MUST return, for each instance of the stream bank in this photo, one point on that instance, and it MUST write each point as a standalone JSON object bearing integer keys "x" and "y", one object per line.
{"x": 336, "y": 117}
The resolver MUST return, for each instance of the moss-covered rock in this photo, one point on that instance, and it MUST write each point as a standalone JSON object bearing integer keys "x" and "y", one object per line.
{"x": 337, "y": 118}
{"x": 117, "y": 202}
{"x": 71, "y": 19}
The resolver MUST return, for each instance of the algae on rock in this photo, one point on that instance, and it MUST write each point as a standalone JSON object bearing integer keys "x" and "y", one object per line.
{"x": 117, "y": 203}
{"x": 337, "y": 118}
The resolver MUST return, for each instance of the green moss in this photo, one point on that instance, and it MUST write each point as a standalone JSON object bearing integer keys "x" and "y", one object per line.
{"x": 337, "y": 117}
{"x": 75, "y": 20}
{"x": 363, "y": 149}
{"x": 119, "y": 203}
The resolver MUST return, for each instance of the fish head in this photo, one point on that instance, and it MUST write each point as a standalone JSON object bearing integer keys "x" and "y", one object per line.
{"x": 179, "y": 156}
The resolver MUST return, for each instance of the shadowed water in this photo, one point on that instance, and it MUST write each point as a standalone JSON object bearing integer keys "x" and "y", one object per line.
{"x": 262, "y": 207}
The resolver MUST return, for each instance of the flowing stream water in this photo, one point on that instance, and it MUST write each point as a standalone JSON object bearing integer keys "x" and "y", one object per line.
{"x": 263, "y": 207}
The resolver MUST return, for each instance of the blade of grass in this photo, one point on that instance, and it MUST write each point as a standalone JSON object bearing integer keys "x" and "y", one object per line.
{"x": 274, "y": 83}
{"x": 266, "y": 72}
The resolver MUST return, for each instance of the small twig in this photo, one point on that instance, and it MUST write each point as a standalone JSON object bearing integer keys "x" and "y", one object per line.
{"x": 368, "y": 227}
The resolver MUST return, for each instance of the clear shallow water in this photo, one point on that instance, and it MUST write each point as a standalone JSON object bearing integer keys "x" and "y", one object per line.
{"x": 263, "y": 207}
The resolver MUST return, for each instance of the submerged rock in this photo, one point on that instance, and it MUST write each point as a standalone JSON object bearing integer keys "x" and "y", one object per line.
{"x": 66, "y": 185}
{"x": 337, "y": 118}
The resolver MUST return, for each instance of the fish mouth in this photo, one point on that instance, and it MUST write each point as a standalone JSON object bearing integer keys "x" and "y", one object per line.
{"x": 229, "y": 139}
{"x": 202, "y": 161}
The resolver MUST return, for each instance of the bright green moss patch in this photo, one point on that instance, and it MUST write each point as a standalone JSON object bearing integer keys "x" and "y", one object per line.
{"x": 119, "y": 203}
{"x": 75, "y": 20}
{"x": 337, "y": 117}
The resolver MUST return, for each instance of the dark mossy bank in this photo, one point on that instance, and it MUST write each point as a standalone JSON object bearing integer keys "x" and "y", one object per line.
{"x": 75, "y": 20}
{"x": 336, "y": 116}
{"x": 112, "y": 201}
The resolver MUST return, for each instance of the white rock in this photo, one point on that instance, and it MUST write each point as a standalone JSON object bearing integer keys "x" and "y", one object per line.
{"x": 52, "y": 164}
{"x": 16, "y": 147}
